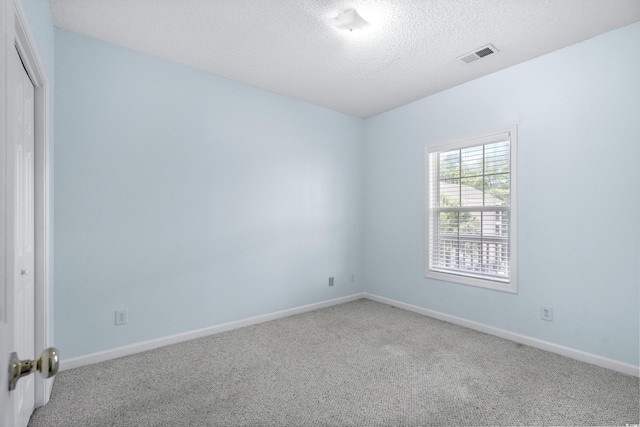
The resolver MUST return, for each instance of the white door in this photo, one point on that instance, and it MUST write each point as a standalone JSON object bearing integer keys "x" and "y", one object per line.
{"x": 17, "y": 328}
{"x": 24, "y": 234}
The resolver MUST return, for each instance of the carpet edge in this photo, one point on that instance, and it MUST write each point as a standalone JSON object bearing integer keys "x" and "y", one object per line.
{"x": 114, "y": 353}
{"x": 582, "y": 356}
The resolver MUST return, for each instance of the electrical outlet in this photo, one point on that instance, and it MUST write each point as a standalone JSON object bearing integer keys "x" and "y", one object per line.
{"x": 330, "y": 281}
{"x": 546, "y": 313}
{"x": 121, "y": 317}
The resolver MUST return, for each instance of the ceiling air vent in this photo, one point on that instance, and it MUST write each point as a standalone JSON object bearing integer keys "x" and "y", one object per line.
{"x": 478, "y": 53}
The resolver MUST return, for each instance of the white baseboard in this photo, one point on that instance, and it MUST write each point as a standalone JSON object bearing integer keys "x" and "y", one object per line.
{"x": 114, "y": 353}
{"x": 625, "y": 368}
{"x": 582, "y": 356}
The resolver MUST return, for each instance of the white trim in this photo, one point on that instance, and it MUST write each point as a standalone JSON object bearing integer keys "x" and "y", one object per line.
{"x": 17, "y": 33}
{"x": 26, "y": 46}
{"x": 6, "y": 334}
{"x": 126, "y": 350}
{"x": 504, "y": 133}
{"x": 582, "y": 356}
{"x": 479, "y": 138}
{"x": 594, "y": 359}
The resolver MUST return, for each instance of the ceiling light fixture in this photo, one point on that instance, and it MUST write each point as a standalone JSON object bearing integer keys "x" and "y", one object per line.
{"x": 350, "y": 20}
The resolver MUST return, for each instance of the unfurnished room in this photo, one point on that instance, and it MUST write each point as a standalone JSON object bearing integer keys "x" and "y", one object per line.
{"x": 320, "y": 213}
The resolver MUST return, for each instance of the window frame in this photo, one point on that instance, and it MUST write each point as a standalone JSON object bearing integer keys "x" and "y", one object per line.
{"x": 466, "y": 142}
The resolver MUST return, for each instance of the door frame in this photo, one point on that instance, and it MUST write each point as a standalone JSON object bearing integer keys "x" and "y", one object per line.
{"x": 18, "y": 35}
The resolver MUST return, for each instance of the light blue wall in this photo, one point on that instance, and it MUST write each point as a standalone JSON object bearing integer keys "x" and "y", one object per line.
{"x": 192, "y": 200}
{"x": 41, "y": 25}
{"x": 577, "y": 112}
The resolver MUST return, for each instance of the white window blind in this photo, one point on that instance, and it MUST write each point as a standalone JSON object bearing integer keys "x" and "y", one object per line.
{"x": 470, "y": 202}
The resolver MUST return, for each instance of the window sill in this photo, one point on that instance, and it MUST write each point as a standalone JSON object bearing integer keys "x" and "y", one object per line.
{"x": 510, "y": 286}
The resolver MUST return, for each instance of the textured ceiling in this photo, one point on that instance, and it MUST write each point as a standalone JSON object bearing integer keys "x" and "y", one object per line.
{"x": 290, "y": 47}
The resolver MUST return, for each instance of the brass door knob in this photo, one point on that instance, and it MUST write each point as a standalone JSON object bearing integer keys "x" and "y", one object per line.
{"x": 47, "y": 365}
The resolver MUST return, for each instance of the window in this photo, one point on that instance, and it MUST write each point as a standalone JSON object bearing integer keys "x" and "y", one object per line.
{"x": 471, "y": 210}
